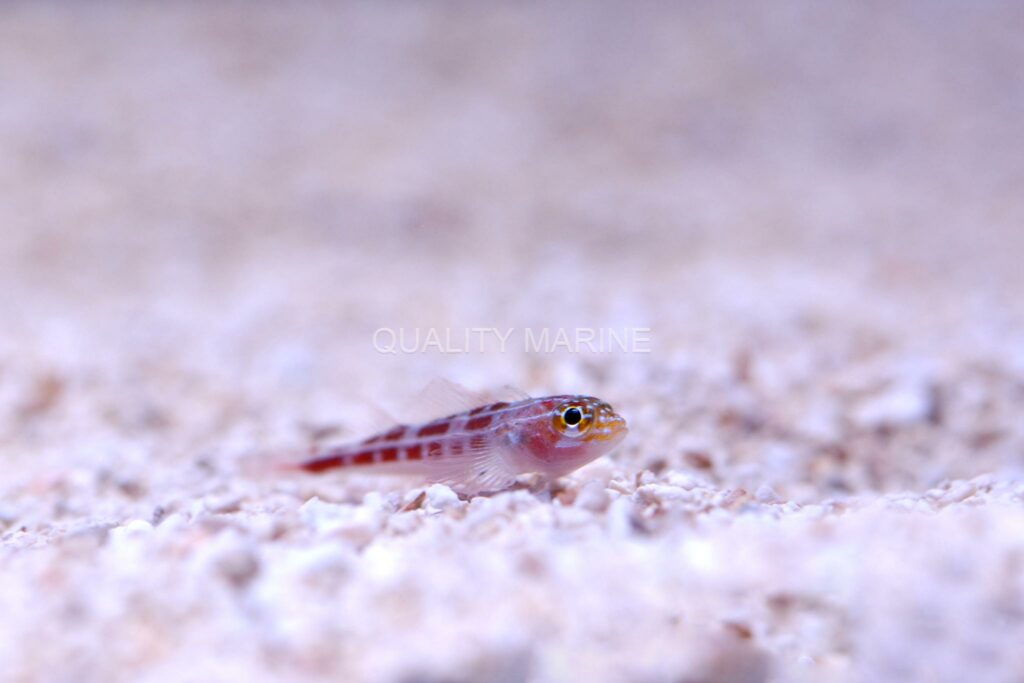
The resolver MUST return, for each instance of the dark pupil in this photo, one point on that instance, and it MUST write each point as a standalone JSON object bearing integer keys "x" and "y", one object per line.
{"x": 572, "y": 417}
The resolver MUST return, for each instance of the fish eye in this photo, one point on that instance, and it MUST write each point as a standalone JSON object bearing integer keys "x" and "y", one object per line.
{"x": 572, "y": 419}
{"x": 572, "y": 416}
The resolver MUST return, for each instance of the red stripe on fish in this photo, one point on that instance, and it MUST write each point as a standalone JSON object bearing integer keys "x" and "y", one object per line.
{"x": 479, "y": 422}
{"x": 364, "y": 458}
{"x": 434, "y": 429}
{"x": 329, "y": 462}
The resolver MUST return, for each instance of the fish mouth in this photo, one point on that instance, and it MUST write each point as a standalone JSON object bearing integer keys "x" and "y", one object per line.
{"x": 610, "y": 428}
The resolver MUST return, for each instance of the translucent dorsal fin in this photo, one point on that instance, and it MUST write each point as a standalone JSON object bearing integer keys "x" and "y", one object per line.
{"x": 379, "y": 419}
{"x": 442, "y": 397}
{"x": 510, "y": 393}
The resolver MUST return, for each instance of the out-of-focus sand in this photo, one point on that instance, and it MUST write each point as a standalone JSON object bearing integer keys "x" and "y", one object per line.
{"x": 207, "y": 210}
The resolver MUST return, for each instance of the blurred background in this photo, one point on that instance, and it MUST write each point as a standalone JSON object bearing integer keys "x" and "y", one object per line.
{"x": 208, "y": 209}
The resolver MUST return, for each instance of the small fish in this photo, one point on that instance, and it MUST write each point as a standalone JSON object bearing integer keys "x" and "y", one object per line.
{"x": 486, "y": 448}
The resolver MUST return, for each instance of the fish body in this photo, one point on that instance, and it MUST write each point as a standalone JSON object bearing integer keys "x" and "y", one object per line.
{"x": 487, "y": 447}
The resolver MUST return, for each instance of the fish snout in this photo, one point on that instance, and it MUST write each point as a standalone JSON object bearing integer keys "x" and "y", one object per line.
{"x": 610, "y": 425}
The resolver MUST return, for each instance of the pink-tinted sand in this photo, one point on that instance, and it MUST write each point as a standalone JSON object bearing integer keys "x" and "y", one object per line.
{"x": 208, "y": 210}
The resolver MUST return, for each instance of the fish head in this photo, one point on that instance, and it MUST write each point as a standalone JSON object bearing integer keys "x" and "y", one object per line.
{"x": 570, "y": 431}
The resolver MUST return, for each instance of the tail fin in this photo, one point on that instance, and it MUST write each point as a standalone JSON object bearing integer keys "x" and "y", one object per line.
{"x": 264, "y": 464}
